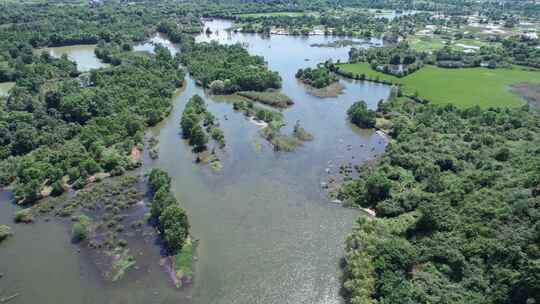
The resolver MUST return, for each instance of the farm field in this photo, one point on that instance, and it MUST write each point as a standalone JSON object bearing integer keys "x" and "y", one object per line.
{"x": 462, "y": 87}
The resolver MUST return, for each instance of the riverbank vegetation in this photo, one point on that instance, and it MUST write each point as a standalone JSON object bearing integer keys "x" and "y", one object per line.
{"x": 455, "y": 195}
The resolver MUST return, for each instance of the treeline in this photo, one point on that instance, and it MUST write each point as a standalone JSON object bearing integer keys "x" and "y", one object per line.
{"x": 319, "y": 77}
{"x": 170, "y": 219}
{"x": 227, "y": 68}
{"x": 198, "y": 124}
{"x": 399, "y": 60}
{"x": 334, "y": 22}
{"x": 56, "y": 130}
{"x": 457, "y": 199}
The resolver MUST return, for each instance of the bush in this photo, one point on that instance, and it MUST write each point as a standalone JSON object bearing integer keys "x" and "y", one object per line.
{"x": 81, "y": 229}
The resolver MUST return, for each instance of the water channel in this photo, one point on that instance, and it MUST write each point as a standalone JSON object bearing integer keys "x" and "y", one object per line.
{"x": 268, "y": 233}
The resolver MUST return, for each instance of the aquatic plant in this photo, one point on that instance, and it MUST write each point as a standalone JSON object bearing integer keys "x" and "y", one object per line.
{"x": 24, "y": 216}
{"x": 81, "y": 229}
{"x": 5, "y": 232}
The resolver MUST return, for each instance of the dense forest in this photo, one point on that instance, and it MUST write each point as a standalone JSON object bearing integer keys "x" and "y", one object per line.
{"x": 56, "y": 126}
{"x": 457, "y": 197}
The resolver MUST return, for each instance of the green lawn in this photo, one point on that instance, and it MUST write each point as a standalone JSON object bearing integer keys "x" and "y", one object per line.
{"x": 426, "y": 44}
{"x": 462, "y": 87}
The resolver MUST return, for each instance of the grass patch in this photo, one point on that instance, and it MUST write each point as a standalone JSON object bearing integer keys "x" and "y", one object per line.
{"x": 273, "y": 99}
{"x": 333, "y": 90}
{"x": 184, "y": 261}
{"x": 426, "y": 44}
{"x": 461, "y": 87}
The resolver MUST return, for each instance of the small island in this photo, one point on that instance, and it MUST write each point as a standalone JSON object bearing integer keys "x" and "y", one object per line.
{"x": 320, "y": 81}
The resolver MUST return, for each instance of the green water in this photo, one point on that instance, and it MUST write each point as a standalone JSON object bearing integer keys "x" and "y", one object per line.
{"x": 268, "y": 233}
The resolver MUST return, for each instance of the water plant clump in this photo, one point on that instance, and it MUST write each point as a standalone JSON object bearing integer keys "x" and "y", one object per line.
{"x": 24, "y": 216}
{"x": 5, "y": 232}
{"x": 285, "y": 142}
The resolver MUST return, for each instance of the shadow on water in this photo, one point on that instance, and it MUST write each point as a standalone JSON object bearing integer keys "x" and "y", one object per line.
{"x": 268, "y": 233}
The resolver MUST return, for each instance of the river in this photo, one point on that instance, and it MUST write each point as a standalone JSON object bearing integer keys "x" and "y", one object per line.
{"x": 268, "y": 233}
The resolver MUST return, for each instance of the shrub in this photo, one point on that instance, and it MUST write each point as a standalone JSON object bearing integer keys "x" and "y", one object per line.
{"x": 81, "y": 229}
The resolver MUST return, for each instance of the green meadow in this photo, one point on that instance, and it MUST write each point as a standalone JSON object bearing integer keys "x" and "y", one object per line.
{"x": 462, "y": 87}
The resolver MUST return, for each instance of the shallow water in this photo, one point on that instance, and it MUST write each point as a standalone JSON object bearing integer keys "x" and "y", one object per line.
{"x": 268, "y": 233}
{"x": 82, "y": 54}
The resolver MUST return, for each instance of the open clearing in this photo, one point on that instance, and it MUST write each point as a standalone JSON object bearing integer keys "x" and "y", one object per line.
{"x": 462, "y": 87}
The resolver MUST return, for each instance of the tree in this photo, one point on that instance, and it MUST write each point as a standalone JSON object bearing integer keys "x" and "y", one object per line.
{"x": 161, "y": 200}
{"x": 377, "y": 188}
{"x": 174, "y": 227}
{"x": 158, "y": 179}
{"x": 361, "y": 116}
{"x": 198, "y": 138}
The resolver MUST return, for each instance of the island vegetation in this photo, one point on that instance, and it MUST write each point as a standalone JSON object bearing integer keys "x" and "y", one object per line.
{"x": 227, "y": 69}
